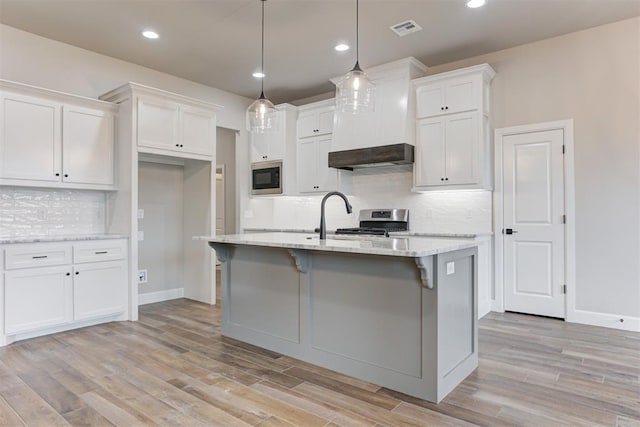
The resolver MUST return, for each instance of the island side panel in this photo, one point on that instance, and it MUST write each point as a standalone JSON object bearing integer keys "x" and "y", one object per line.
{"x": 261, "y": 298}
{"x": 367, "y": 309}
{"x": 457, "y": 283}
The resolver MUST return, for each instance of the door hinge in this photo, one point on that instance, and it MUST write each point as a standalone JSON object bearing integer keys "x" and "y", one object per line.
{"x": 563, "y": 149}
{"x": 564, "y": 219}
{"x": 564, "y": 289}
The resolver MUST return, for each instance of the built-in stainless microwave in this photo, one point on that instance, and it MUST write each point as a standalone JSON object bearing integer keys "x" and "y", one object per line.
{"x": 266, "y": 177}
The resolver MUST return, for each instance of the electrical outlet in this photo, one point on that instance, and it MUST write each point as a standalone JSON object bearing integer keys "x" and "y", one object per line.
{"x": 140, "y": 236}
{"x": 142, "y": 276}
{"x": 451, "y": 268}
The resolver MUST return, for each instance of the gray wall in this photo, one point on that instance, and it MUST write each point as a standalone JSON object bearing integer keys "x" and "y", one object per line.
{"x": 160, "y": 194}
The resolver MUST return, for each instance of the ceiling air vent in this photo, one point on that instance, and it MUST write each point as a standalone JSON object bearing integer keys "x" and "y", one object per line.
{"x": 406, "y": 27}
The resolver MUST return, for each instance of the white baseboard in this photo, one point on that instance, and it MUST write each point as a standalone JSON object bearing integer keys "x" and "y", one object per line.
{"x": 484, "y": 307}
{"x": 605, "y": 320}
{"x": 159, "y": 296}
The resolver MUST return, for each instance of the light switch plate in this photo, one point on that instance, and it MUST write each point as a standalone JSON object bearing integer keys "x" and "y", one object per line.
{"x": 451, "y": 268}
{"x": 140, "y": 213}
{"x": 140, "y": 236}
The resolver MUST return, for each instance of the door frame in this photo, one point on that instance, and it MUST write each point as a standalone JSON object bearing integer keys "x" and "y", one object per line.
{"x": 569, "y": 205}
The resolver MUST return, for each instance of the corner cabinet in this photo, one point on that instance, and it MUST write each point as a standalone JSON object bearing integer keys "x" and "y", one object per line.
{"x": 51, "y": 139}
{"x": 453, "y": 144}
{"x": 168, "y": 124}
{"x": 50, "y": 287}
{"x": 315, "y": 124}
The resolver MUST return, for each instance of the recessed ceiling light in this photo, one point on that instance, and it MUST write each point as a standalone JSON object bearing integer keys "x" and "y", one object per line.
{"x": 341, "y": 47}
{"x": 150, "y": 34}
{"x": 258, "y": 75}
{"x": 476, "y": 3}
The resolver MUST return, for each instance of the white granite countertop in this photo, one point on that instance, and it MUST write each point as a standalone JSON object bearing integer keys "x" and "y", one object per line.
{"x": 64, "y": 238}
{"x": 399, "y": 246}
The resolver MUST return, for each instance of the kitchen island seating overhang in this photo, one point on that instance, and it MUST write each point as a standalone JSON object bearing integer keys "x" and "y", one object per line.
{"x": 398, "y": 312}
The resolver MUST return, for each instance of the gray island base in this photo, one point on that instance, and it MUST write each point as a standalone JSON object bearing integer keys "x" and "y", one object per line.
{"x": 400, "y": 313}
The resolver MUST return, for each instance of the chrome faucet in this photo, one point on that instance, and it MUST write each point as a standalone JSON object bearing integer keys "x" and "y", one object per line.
{"x": 323, "y": 227}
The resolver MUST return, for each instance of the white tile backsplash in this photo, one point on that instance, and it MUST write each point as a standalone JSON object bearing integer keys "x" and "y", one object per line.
{"x": 457, "y": 211}
{"x": 28, "y": 212}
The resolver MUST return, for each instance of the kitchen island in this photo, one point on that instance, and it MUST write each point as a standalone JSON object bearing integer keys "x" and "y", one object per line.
{"x": 398, "y": 312}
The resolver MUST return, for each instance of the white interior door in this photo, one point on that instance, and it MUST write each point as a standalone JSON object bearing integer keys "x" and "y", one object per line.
{"x": 533, "y": 234}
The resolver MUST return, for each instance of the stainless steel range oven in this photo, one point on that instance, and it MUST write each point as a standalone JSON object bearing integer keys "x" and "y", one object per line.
{"x": 266, "y": 178}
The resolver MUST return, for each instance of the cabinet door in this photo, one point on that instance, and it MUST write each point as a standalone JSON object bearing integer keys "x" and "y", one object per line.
{"x": 158, "y": 124}
{"x": 429, "y": 165}
{"x": 462, "y": 163}
{"x": 326, "y": 177}
{"x": 259, "y": 147}
{"x": 30, "y": 145}
{"x": 272, "y": 144}
{"x": 37, "y": 298}
{"x": 325, "y": 120}
{"x": 88, "y": 146}
{"x": 198, "y": 131}
{"x": 307, "y": 165}
{"x": 99, "y": 289}
{"x": 308, "y": 124}
{"x": 460, "y": 95}
{"x": 430, "y": 100}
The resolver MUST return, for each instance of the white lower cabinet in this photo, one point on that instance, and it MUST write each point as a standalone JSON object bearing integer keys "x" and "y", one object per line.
{"x": 39, "y": 297}
{"x": 99, "y": 289}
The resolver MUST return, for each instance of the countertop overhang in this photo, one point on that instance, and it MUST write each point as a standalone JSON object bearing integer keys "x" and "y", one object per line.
{"x": 387, "y": 246}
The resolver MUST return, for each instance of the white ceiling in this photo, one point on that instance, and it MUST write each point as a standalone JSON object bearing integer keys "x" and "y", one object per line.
{"x": 217, "y": 42}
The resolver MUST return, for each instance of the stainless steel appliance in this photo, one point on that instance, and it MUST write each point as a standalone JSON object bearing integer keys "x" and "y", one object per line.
{"x": 379, "y": 222}
{"x": 266, "y": 177}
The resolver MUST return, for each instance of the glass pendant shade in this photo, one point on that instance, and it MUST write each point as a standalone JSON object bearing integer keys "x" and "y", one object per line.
{"x": 261, "y": 115}
{"x": 355, "y": 93}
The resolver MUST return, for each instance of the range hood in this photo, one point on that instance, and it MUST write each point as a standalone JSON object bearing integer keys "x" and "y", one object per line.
{"x": 385, "y": 155}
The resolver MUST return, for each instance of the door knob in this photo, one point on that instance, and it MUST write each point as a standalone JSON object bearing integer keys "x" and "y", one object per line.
{"x": 509, "y": 231}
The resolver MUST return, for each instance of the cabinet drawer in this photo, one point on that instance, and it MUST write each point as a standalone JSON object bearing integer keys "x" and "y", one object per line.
{"x": 37, "y": 255}
{"x": 96, "y": 251}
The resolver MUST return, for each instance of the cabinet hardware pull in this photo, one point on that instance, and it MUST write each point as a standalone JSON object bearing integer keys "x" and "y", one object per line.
{"x": 66, "y": 175}
{"x": 446, "y": 179}
{"x": 177, "y": 145}
{"x": 57, "y": 174}
{"x": 68, "y": 274}
{"x": 442, "y": 108}
{"x": 181, "y": 145}
{"x": 77, "y": 272}
{"x": 446, "y": 108}
{"x": 441, "y": 179}
{"x": 101, "y": 252}
{"x": 39, "y": 257}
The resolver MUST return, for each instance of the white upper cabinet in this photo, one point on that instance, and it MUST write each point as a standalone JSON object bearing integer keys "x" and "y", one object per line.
{"x": 88, "y": 146}
{"x": 50, "y": 139}
{"x": 158, "y": 123}
{"x": 315, "y": 122}
{"x": 393, "y": 118}
{"x": 165, "y": 123}
{"x": 30, "y": 141}
{"x": 453, "y": 147}
{"x": 447, "y": 151}
{"x": 272, "y": 144}
{"x": 449, "y": 96}
{"x": 315, "y": 141}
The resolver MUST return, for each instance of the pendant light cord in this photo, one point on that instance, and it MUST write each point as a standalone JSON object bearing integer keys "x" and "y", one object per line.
{"x": 262, "y": 57}
{"x": 357, "y": 32}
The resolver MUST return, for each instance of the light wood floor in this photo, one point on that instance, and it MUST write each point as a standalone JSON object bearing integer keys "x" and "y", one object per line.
{"x": 173, "y": 368}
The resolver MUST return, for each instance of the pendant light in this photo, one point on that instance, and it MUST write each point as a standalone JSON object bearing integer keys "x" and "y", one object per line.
{"x": 261, "y": 114}
{"x": 355, "y": 93}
